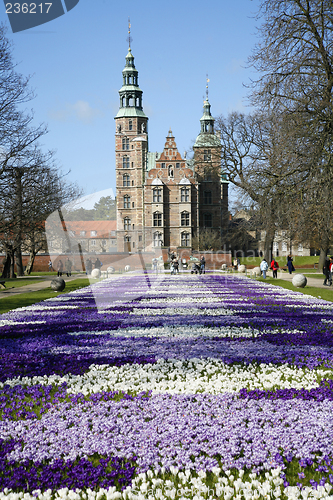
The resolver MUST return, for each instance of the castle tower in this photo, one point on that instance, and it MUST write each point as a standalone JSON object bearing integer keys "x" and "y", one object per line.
{"x": 212, "y": 203}
{"x": 131, "y": 157}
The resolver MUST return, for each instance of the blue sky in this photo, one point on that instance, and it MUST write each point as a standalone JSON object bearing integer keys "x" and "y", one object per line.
{"x": 75, "y": 63}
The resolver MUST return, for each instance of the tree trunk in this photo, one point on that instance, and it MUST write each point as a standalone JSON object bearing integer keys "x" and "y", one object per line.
{"x": 12, "y": 264}
{"x": 30, "y": 264}
{"x": 322, "y": 257}
{"x": 6, "y": 268}
{"x": 19, "y": 263}
{"x": 268, "y": 248}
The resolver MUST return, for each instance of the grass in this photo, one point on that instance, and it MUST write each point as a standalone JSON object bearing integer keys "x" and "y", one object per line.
{"x": 18, "y": 282}
{"x": 27, "y": 299}
{"x": 298, "y": 261}
{"x": 321, "y": 293}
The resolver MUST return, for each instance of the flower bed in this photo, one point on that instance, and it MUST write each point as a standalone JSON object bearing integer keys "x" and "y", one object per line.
{"x": 195, "y": 387}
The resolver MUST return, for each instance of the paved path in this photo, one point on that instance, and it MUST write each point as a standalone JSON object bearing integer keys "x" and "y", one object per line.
{"x": 34, "y": 287}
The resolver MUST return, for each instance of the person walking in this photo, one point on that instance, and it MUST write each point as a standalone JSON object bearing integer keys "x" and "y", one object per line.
{"x": 50, "y": 265}
{"x": 68, "y": 267}
{"x": 290, "y": 264}
{"x": 274, "y": 267}
{"x": 263, "y": 268}
{"x": 326, "y": 272}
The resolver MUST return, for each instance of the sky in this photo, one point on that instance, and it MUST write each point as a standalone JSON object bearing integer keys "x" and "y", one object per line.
{"x": 76, "y": 62}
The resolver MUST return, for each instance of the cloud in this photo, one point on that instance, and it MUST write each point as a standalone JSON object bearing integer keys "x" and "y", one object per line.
{"x": 80, "y": 110}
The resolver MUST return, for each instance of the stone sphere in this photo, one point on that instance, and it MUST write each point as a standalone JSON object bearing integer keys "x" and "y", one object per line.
{"x": 224, "y": 267}
{"x": 241, "y": 268}
{"x": 299, "y": 280}
{"x": 257, "y": 270}
{"x": 58, "y": 284}
{"x": 110, "y": 270}
{"x": 95, "y": 273}
{"x": 127, "y": 268}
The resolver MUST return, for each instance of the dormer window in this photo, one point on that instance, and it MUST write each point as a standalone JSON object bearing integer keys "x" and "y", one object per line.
{"x": 93, "y": 233}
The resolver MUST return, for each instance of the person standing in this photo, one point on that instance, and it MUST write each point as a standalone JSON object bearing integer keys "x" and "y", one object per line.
{"x": 50, "y": 265}
{"x": 98, "y": 264}
{"x": 202, "y": 265}
{"x": 88, "y": 267}
{"x": 60, "y": 268}
{"x": 290, "y": 264}
{"x": 274, "y": 267}
{"x": 326, "y": 272}
{"x": 263, "y": 268}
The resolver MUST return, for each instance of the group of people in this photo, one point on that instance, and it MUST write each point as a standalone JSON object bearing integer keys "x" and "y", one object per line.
{"x": 328, "y": 271}
{"x": 275, "y": 266}
{"x": 89, "y": 265}
{"x": 61, "y": 268}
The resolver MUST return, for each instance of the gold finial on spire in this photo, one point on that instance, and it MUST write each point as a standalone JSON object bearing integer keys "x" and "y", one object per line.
{"x": 129, "y": 38}
{"x": 207, "y": 82}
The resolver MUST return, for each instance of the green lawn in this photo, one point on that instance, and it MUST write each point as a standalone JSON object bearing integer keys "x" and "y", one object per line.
{"x": 27, "y": 299}
{"x": 297, "y": 260}
{"x": 322, "y": 293}
{"x": 17, "y": 282}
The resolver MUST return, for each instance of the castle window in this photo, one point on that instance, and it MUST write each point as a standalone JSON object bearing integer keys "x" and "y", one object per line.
{"x": 127, "y": 224}
{"x": 158, "y": 239}
{"x": 185, "y": 239}
{"x": 177, "y": 165}
{"x": 125, "y": 143}
{"x": 127, "y": 201}
{"x": 207, "y": 155}
{"x": 208, "y": 175}
{"x": 163, "y": 165}
{"x": 126, "y": 180}
{"x": 130, "y": 125}
{"x": 207, "y": 197}
{"x": 184, "y": 194}
{"x": 126, "y": 162}
{"x": 170, "y": 170}
{"x": 185, "y": 219}
{"x": 208, "y": 220}
{"x": 157, "y": 195}
{"x": 157, "y": 219}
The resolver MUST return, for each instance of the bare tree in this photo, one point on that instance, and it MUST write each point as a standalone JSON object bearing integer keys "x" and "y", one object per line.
{"x": 294, "y": 58}
{"x": 30, "y": 192}
{"x": 16, "y": 131}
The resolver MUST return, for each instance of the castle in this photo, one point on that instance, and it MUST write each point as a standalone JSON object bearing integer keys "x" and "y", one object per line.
{"x": 164, "y": 199}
